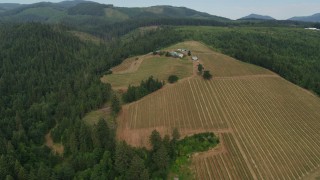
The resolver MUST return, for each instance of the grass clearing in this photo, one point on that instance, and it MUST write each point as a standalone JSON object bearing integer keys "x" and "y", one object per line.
{"x": 93, "y": 117}
{"x": 129, "y": 65}
{"x": 159, "y": 67}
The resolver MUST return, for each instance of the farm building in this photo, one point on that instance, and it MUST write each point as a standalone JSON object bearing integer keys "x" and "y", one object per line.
{"x": 176, "y": 55}
{"x": 314, "y": 29}
{"x": 194, "y": 58}
{"x": 183, "y": 50}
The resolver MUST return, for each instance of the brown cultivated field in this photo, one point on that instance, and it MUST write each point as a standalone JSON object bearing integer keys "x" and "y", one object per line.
{"x": 268, "y": 127}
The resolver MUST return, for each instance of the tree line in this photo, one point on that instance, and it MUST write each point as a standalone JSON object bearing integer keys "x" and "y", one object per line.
{"x": 135, "y": 93}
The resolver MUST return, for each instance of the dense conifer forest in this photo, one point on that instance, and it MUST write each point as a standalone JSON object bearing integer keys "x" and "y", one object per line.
{"x": 49, "y": 80}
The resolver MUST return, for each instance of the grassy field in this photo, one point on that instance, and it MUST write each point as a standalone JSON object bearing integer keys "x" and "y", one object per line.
{"x": 219, "y": 64}
{"x": 94, "y": 116}
{"x": 269, "y": 127}
{"x": 133, "y": 71}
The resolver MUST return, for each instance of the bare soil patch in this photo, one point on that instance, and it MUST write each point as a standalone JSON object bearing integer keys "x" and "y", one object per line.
{"x": 56, "y": 148}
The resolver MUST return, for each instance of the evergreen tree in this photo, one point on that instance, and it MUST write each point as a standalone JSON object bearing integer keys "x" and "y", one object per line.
{"x": 161, "y": 161}
{"x": 200, "y": 68}
{"x": 4, "y": 171}
{"x": 173, "y": 143}
{"x": 102, "y": 136}
{"x": 155, "y": 140}
{"x": 9, "y": 177}
{"x": 175, "y": 135}
{"x": 43, "y": 172}
{"x": 173, "y": 78}
{"x": 123, "y": 156}
{"x": 137, "y": 168}
{"x": 207, "y": 75}
{"x": 144, "y": 175}
{"x": 115, "y": 104}
{"x": 22, "y": 174}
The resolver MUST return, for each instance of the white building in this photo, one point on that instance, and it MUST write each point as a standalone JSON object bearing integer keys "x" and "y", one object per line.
{"x": 314, "y": 29}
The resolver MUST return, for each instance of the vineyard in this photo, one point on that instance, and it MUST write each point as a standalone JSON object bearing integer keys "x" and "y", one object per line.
{"x": 269, "y": 127}
{"x": 225, "y": 165}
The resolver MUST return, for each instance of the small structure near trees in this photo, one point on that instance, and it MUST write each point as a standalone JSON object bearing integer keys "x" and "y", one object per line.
{"x": 194, "y": 58}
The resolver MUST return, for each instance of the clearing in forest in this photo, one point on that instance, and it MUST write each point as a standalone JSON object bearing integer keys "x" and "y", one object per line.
{"x": 268, "y": 127}
{"x": 56, "y": 148}
{"x": 133, "y": 70}
{"x": 93, "y": 117}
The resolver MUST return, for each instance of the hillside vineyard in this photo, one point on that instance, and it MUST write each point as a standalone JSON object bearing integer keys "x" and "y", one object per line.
{"x": 268, "y": 127}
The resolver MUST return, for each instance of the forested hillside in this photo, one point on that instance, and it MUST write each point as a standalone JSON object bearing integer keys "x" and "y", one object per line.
{"x": 92, "y": 14}
{"x": 48, "y": 80}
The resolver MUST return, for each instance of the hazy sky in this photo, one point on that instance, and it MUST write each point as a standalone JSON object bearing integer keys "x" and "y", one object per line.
{"x": 234, "y": 9}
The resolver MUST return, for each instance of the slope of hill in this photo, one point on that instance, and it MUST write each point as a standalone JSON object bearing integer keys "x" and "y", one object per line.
{"x": 8, "y": 6}
{"x": 267, "y": 126}
{"x": 257, "y": 17}
{"x": 312, "y": 18}
{"x": 167, "y": 12}
{"x": 282, "y": 50}
{"x": 41, "y": 12}
{"x": 88, "y": 9}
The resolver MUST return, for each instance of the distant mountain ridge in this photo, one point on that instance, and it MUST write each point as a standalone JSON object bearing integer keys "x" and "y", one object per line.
{"x": 257, "y": 17}
{"x": 56, "y": 12}
{"x": 8, "y": 6}
{"x": 312, "y": 18}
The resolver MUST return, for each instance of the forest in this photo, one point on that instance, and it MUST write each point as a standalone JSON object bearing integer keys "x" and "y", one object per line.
{"x": 135, "y": 93}
{"x": 49, "y": 80}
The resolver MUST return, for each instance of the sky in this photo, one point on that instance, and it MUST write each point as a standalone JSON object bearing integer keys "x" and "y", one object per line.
{"x": 233, "y": 9}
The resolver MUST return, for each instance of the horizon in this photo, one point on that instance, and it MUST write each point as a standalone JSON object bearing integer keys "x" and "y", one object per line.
{"x": 229, "y": 8}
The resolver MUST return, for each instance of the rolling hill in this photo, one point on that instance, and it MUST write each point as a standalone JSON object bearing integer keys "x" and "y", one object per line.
{"x": 312, "y": 18}
{"x": 75, "y": 10}
{"x": 167, "y": 12}
{"x": 8, "y": 6}
{"x": 257, "y": 17}
{"x": 267, "y": 125}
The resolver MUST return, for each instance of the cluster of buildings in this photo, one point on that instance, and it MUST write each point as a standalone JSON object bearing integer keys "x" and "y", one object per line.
{"x": 180, "y": 53}
{"x": 176, "y": 54}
